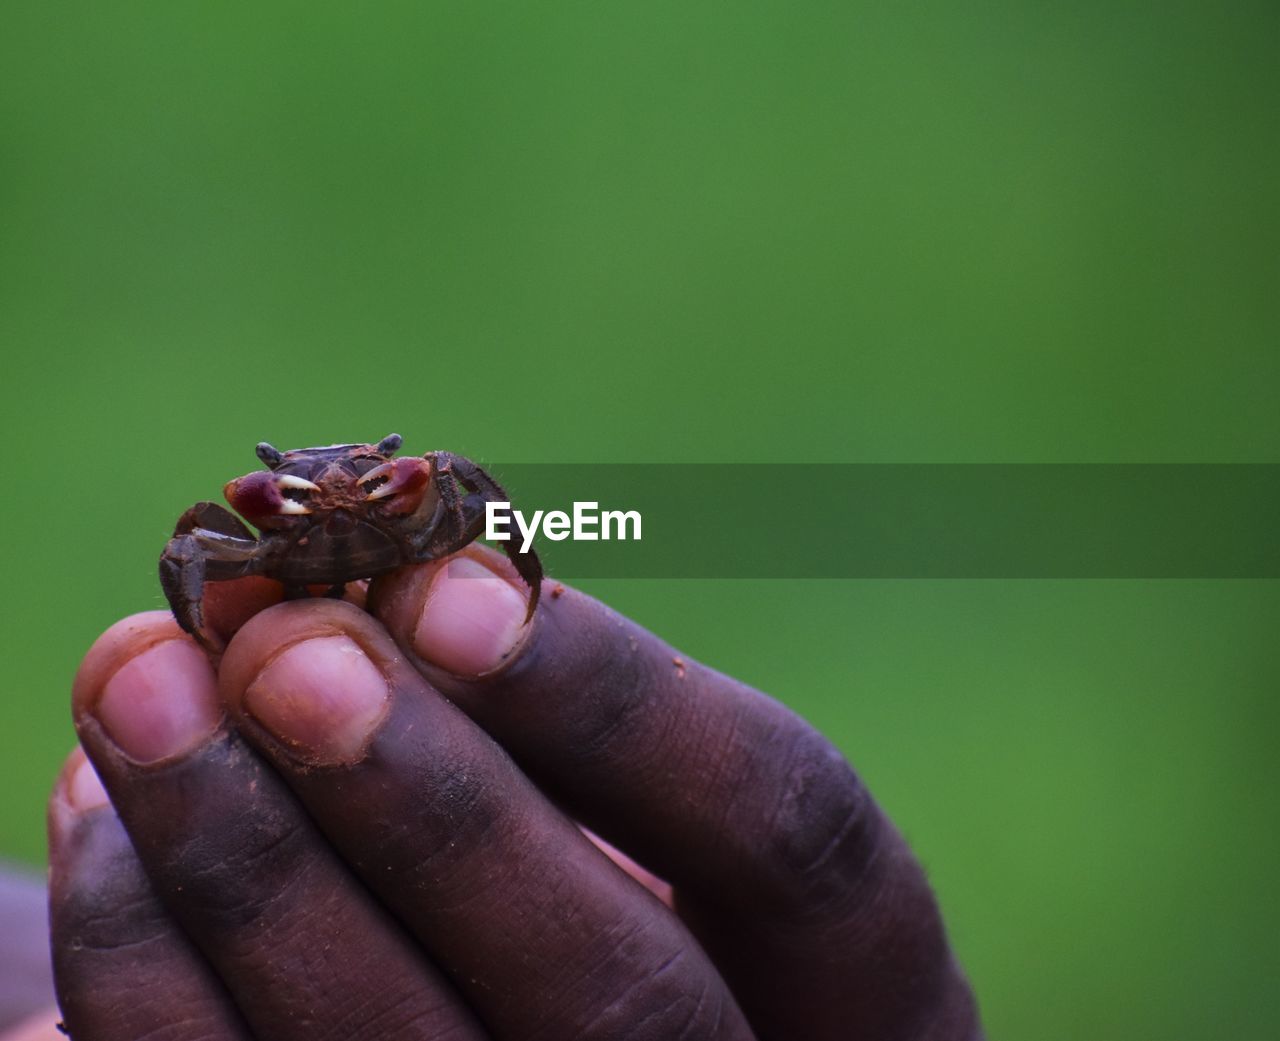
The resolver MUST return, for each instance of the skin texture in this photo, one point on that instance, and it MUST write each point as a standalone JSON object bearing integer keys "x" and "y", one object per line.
{"x": 367, "y": 824}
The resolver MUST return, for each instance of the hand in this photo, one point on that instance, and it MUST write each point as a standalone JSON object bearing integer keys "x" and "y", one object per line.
{"x": 366, "y": 825}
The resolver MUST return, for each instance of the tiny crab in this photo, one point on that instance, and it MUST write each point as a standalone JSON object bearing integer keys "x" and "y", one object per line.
{"x": 328, "y": 516}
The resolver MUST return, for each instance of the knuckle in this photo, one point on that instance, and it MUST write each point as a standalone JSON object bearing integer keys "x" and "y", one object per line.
{"x": 440, "y": 846}
{"x": 94, "y": 921}
{"x": 614, "y": 683}
{"x": 99, "y": 898}
{"x": 235, "y": 880}
{"x": 823, "y": 832}
{"x": 224, "y": 849}
{"x": 670, "y": 1002}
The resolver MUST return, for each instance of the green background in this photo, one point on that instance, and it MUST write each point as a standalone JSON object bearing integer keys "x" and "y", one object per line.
{"x": 757, "y": 232}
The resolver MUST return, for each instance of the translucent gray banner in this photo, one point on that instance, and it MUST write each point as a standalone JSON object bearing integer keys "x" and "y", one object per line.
{"x": 914, "y": 520}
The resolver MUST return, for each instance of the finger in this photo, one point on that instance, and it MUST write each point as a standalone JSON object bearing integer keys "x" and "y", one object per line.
{"x": 543, "y": 933}
{"x": 806, "y": 897}
{"x": 303, "y": 948}
{"x": 123, "y": 969}
{"x": 228, "y": 605}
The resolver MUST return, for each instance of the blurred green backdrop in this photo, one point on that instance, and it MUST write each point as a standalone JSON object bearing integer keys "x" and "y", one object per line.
{"x": 722, "y": 232}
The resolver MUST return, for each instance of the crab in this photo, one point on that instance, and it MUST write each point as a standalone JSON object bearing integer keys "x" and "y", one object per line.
{"x": 329, "y": 516}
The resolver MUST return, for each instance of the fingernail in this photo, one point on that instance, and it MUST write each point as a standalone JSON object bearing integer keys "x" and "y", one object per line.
{"x": 322, "y": 697}
{"x": 84, "y": 790}
{"x": 161, "y": 703}
{"x": 472, "y": 620}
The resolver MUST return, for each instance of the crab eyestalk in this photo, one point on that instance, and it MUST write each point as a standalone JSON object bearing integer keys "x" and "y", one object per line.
{"x": 399, "y": 485}
{"x": 269, "y": 454}
{"x": 260, "y": 496}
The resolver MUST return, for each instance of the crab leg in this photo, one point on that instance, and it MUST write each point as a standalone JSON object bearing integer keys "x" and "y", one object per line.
{"x": 212, "y": 517}
{"x": 202, "y": 555}
{"x": 463, "y": 519}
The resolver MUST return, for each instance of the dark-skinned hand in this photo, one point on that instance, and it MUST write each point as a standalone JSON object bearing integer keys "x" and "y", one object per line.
{"x": 370, "y": 824}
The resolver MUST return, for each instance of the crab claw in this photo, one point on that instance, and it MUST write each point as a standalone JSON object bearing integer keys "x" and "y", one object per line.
{"x": 259, "y": 496}
{"x": 292, "y": 481}
{"x": 403, "y": 481}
